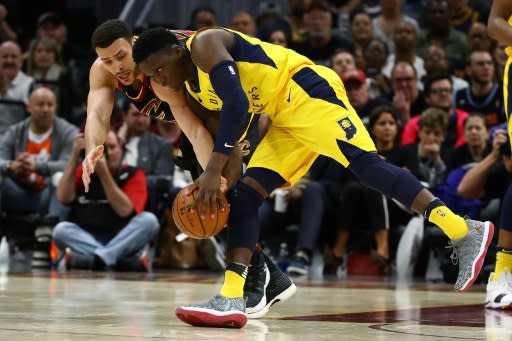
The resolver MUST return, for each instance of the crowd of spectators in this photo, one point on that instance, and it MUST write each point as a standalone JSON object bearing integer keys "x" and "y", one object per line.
{"x": 423, "y": 75}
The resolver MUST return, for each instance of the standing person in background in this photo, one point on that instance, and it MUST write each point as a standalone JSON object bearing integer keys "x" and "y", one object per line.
{"x": 499, "y": 289}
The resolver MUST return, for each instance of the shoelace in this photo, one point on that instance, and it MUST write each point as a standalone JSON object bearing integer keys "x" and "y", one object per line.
{"x": 453, "y": 256}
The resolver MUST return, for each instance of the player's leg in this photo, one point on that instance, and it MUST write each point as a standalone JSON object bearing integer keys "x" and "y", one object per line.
{"x": 499, "y": 287}
{"x": 338, "y": 132}
{"x": 279, "y": 158}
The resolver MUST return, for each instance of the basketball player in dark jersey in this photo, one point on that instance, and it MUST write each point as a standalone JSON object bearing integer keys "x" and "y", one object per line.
{"x": 115, "y": 69}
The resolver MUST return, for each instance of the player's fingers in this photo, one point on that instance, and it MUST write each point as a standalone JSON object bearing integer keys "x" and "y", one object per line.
{"x": 223, "y": 184}
{"x": 206, "y": 204}
{"x": 85, "y": 180}
{"x": 223, "y": 202}
{"x": 88, "y": 166}
{"x": 196, "y": 195}
{"x": 192, "y": 187}
{"x": 214, "y": 205}
{"x": 98, "y": 153}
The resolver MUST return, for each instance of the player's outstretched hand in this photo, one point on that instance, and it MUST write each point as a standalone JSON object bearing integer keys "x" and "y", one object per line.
{"x": 89, "y": 164}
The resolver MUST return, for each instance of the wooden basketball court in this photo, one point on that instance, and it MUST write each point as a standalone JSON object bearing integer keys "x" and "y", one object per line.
{"x": 129, "y": 306}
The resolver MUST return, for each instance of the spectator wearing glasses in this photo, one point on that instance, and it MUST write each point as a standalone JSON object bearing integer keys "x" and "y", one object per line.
{"x": 439, "y": 94}
{"x": 405, "y": 95}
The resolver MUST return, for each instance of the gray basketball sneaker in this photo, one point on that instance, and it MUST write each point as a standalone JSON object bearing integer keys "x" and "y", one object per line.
{"x": 220, "y": 311}
{"x": 470, "y": 252}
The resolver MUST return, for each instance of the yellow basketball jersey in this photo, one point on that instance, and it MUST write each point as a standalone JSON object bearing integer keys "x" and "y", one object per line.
{"x": 265, "y": 70}
{"x": 508, "y": 50}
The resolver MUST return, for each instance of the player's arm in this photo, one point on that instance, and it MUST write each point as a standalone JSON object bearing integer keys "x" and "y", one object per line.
{"x": 197, "y": 132}
{"x": 497, "y": 25}
{"x": 100, "y": 103}
{"x": 66, "y": 190}
{"x": 189, "y": 123}
{"x": 210, "y": 52}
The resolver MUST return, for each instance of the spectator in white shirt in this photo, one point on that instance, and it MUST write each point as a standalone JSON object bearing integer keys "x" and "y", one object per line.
{"x": 14, "y": 84}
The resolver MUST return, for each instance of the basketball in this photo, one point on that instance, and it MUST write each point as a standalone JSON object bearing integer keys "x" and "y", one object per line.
{"x": 190, "y": 223}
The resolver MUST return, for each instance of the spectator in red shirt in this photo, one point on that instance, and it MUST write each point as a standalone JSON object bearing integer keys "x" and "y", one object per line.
{"x": 439, "y": 94}
{"x": 106, "y": 227}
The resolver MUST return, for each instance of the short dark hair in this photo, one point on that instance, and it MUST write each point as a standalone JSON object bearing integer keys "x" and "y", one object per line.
{"x": 431, "y": 79}
{"x": 151, "y": 41}
{"x": 377, "y": 112}
{"x": 200, "y": 9}
{"x": 109, "y": 31}
{"x": 432, "y": 118}
{"x": 355, "y": 12}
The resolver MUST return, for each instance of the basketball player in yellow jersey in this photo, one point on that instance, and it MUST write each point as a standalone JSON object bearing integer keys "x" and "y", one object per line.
{"x": 499, "y": 287}
{"x": 310, "y": 115}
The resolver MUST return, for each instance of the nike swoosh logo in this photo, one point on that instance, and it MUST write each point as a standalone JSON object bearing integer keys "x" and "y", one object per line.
{"x": 227, "y": 145}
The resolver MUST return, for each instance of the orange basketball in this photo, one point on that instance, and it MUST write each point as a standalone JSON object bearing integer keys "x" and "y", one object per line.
{"x": 191, "y": 223}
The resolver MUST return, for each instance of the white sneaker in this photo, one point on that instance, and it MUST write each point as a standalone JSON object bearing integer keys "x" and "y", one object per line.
{"x": 499, "y": 291}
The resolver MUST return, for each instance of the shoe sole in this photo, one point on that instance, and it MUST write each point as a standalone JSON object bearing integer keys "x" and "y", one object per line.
{"x": 204, "y": 318}
{"x": 283, "y": 296}
{"x": 491, "y": 305}
{"x": 263, "y": 302}
{"x": 477, "y": 266}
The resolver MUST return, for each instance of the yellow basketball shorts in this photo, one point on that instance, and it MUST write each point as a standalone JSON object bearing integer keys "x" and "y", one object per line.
{"x": 312, "y": 117}
{"x": 507, "y": 90}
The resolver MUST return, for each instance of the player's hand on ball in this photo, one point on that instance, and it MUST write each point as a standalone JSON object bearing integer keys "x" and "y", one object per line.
{"x": 208, "y": 196}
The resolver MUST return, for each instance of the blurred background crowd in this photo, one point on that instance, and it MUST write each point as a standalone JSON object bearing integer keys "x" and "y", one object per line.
{"x": 422, "y": 74}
